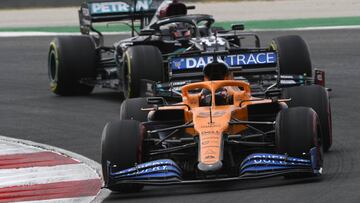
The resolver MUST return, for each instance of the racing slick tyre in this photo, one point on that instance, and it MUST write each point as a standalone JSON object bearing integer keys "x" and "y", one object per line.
{"x": 131, "y": 109}
{"x": 294, "y": 56}
{"x": 297, "y": 131}
{"x": 141, "y": 62}
{"x": 70, "y": 59}
{"x": 315, "y": 97}
{"x": 121, "y": 145}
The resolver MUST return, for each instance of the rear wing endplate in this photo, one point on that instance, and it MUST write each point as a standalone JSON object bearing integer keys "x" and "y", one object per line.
{"x": 116, "y": 10}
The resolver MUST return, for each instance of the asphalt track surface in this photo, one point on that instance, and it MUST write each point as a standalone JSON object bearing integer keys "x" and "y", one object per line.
{"x": 29, "y": 111}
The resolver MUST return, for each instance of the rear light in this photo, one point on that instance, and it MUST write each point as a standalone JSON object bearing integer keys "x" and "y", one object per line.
{"x": 320, "y": 77}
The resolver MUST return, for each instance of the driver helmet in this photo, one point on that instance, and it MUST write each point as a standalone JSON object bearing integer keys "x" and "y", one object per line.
{"x": 222, "y": 97}
{"x": 180, "y": 30}
{"x": 216, "y": 70}
{"x": 174, "y": 8}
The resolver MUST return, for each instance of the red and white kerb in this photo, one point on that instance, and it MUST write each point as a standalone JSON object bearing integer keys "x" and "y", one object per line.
{"x": 30, "y": 174}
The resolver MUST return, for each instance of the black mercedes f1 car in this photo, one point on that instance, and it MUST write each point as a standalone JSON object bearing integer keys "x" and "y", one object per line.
{"x": 170, "y": 50}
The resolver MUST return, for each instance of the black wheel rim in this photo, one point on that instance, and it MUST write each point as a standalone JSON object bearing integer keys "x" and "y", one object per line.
{"x": 52, "y": 65}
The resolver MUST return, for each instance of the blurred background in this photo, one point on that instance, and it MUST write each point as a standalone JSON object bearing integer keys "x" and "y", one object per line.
{"x": 54, "y": 3}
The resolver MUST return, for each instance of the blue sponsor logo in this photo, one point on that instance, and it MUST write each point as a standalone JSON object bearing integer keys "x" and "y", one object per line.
{"x": 269, "y": 157}
{"x": 236, "y": 60}
{"x": 154, "y": 165}
{"x": 164, "y": 168}
{"x": 150, "y": 170}
{"x": 119, "y": 7}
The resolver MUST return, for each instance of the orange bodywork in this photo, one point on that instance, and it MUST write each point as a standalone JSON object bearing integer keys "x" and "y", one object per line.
{"x": 211, "y": 122}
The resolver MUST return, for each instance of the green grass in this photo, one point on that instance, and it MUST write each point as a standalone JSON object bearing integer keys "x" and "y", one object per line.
{"x": 296, "y": 23}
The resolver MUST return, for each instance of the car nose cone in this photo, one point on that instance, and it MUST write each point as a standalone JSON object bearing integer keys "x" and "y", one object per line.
{"x": 210, "y": 167}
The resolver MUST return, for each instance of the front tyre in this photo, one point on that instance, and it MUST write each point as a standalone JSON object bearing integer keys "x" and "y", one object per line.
{"x": 70, "y": 59}
{"x": 297, "y": 131}
{"x": 121, "y": 146}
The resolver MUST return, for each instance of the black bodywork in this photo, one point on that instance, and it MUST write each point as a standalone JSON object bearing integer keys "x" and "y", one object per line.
{"x": 205, "y": 40}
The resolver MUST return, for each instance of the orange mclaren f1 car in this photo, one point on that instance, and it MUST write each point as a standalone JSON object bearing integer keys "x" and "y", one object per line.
{"x": 219, "y": 132}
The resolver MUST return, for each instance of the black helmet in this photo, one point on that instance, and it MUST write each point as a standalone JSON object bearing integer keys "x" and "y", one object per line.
{"x": 216, "y": 70}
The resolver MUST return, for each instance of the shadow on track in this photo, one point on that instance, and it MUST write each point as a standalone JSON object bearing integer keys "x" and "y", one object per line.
{"x": 151, "y": 192}
{"x": 111, "y": 96}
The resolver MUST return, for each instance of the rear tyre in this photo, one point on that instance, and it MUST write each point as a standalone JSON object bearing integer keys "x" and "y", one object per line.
{"x": 121, "y": 145}
{"x": 70, "y": 59}
{"x": 141, "y": 62}
{"x": 294, "y": 56}
{"x": 297, "y": 131}
{"x": 131, "y": 109}
{"x": 315, "y": 97}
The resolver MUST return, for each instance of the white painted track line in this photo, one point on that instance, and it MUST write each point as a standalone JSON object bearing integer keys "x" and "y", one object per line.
{"x": 45, "y": 175}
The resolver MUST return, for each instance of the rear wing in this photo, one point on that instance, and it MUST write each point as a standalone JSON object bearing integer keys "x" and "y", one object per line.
{"x": 115, "y": 10}
{"x": 256, "y": 61}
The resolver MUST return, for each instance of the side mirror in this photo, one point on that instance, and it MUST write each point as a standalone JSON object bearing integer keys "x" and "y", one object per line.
{"x": 237, "y": 27}
{"x": 156, "y": 101}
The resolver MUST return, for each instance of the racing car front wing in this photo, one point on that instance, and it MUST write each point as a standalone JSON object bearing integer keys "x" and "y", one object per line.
{"x": 255, "y": 166}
